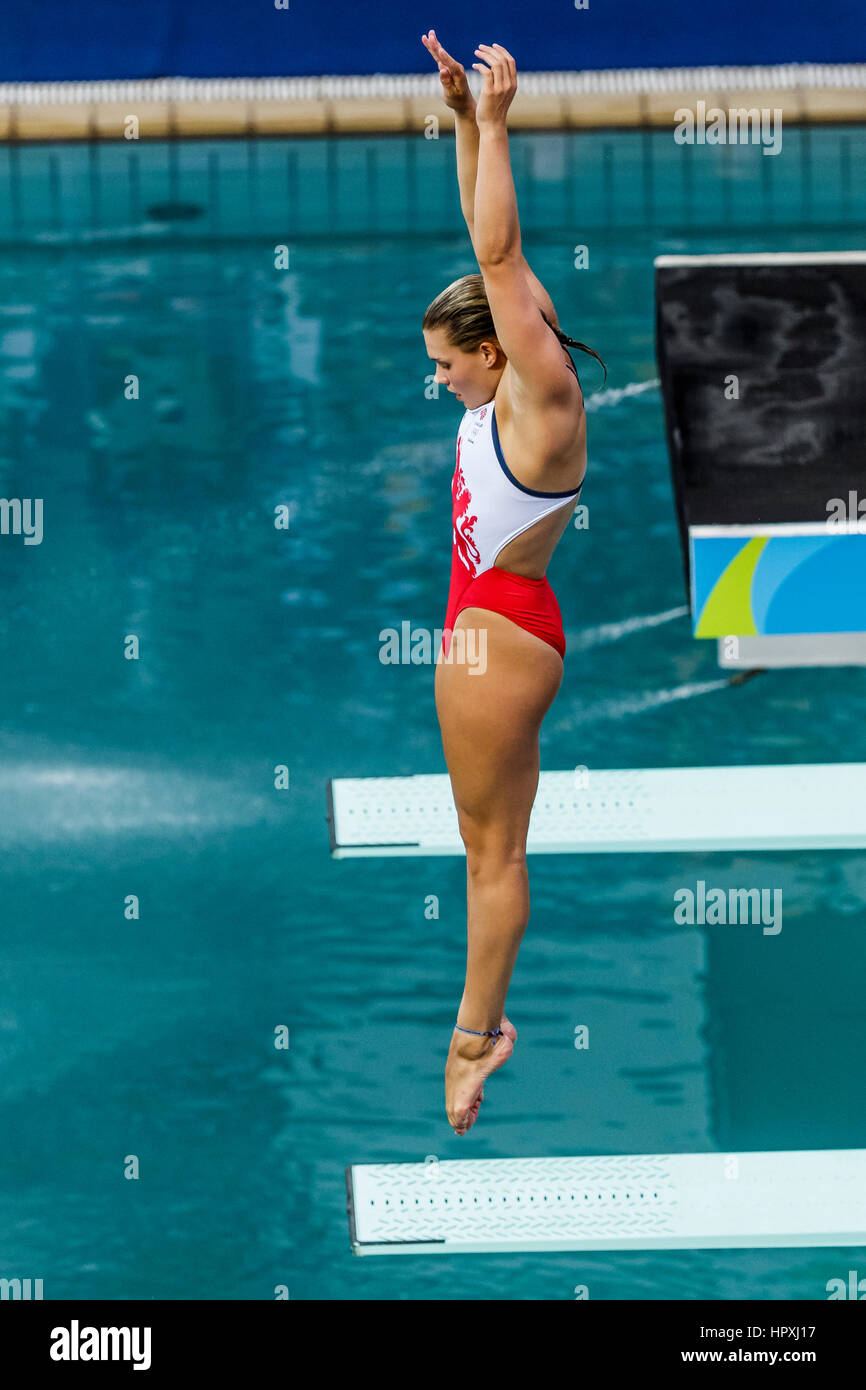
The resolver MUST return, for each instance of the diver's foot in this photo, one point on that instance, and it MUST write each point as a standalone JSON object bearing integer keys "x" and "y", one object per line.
{"x": 470, "y": 1061}
{"x": 507, "y": 1027}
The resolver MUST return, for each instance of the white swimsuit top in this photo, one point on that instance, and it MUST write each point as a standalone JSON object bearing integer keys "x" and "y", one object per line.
{"x": 490, "y": 506}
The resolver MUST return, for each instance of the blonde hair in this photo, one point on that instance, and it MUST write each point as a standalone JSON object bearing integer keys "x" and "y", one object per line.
{"x": 463, "y": 311}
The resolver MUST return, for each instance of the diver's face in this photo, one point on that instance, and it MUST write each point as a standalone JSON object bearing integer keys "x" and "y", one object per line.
{"x": 470, "y": 376}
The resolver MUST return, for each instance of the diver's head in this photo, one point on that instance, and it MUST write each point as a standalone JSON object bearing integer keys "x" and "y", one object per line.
{"x": 461, "y": 340}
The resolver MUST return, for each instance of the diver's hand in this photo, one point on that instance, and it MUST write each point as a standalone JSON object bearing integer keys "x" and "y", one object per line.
{"x": 455, "y": 88}
{"x": 499, "y": 84}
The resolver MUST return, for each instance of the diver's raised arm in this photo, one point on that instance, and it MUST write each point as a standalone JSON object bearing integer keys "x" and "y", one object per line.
{"x": 534, "y": 353}
{"x": 459, "y": 99}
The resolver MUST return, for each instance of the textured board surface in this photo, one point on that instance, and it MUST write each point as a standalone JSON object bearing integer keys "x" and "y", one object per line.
{"x": 625, "y": 1202}
{"x": 800, "y": 806}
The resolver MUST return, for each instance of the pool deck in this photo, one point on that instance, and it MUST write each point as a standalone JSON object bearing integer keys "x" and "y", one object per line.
{"x": 179, "y": 107}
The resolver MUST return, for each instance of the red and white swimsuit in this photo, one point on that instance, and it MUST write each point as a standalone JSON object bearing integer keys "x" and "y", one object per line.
{"x": 490, "y": 508}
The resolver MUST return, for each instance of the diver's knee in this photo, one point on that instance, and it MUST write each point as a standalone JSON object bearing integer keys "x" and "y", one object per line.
{"x": 492, "y": 848}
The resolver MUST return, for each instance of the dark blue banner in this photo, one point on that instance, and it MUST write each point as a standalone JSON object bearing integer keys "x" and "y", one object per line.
{"x": 225, "y": 38}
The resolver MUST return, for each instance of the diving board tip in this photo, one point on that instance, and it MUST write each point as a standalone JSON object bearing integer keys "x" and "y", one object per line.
{"x": 617, "y": 1202}
{"x": 589, "y": 811}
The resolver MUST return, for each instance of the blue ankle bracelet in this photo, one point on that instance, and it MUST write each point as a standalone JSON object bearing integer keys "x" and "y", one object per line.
{"x": 481, "y": 1032}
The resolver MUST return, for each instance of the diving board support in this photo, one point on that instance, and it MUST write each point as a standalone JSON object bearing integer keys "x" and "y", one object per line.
{"x": 621, "y": 1202}
{"x": 784, "y": 650}
{"x": 785, "y": 806}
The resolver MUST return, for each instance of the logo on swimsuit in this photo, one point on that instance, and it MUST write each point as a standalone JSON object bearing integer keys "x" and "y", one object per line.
{"x": 464, "y": 524}
{"x": 476, "y": 427}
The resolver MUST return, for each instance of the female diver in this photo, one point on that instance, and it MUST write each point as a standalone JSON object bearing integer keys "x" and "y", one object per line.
{"x": 521, "y": 458}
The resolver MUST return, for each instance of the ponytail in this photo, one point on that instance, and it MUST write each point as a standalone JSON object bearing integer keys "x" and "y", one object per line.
{"x": 572, "y": 342}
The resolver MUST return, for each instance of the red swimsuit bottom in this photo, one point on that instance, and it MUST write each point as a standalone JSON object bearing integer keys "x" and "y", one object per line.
{"x": 530, "y": 603}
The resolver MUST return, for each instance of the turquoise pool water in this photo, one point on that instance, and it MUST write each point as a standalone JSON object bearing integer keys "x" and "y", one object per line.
{"x": 153, "y": 1035}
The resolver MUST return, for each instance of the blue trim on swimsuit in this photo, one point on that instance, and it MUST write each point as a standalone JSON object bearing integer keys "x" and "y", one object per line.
{"x": 533, "y": 491}
{"x": 571, "y": 363}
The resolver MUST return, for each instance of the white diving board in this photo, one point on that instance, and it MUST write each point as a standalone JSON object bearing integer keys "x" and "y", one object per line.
{"x": 641, "y": 1202}
{"x": 782, "y": 806}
